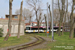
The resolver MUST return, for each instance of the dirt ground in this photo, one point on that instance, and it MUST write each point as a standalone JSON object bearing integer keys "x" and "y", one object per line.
{"x": 43, "y": 45}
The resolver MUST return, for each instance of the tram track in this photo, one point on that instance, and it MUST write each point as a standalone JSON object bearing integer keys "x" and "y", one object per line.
{"x": 38, "y": 41}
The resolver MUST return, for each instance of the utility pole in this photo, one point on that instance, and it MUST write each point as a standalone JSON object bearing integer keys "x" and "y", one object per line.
{"x": 52, "y": 20}
{"x": 47, "y": 21}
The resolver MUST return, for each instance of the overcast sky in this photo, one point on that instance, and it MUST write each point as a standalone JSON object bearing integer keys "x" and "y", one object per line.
{"x": 4, "y": 6}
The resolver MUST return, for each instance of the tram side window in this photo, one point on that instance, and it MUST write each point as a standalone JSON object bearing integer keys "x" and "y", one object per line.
{"x": 55, "y": 27}
{"x": 61, "y": 27}
{"x": 49, "y": 28}
{"x": 44, "y": 28}
{"x": 27, "y": 28}
{"x": 40, "y": 28}
{"x": 34, "y": 28}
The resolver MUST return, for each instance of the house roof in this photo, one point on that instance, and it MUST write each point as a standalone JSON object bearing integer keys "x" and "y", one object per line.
{"x": 36, "y": 27}
{"x": 27, "y": 24}
{"x": 12, "y": 15}
{"x": 8, "y": 19}
{"x": 34, "y": 22}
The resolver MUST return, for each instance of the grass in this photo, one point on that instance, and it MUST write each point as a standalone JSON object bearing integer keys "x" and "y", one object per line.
{"x": 62, "y": 42}
{"x": 14, "y": 41}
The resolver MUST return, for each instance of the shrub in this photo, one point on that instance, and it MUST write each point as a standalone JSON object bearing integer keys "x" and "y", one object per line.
{"x": 1, "y": 32}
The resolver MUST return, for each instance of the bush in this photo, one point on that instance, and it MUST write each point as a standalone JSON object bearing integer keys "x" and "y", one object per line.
{"x": 1, "y": 32}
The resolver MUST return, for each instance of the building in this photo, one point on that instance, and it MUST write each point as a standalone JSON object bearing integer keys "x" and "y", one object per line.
{"x": 14, "y": 25}
{"x": 35, "y": 24}
{"x": 13, "y": 17}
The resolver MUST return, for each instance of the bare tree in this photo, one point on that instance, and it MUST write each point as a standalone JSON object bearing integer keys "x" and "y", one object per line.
{"x": 45, "y": 23}
{"x": 61, "y": 10}
{"x": 50, "y": 19}
{"x": 35, "y": 4}
{"x": 42, "y": 19}
{"x": 74, "y": 26}
{"x": 17, "y": 11}
{"x": 30, "y": 19}
{"x": 10, "y": 19}
{"x": 72, "y": 21}
{"x": 26, "y": 13}
{"x": 66, "y": 14}
{"x": 56, "y": 16}
{"x": 18, "y": 35}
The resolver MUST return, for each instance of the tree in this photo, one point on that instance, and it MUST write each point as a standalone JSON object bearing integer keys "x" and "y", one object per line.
{"x": 50, "y": 19}
{"x": 18, "y": 35}
{"x": 26, "y": 13}
{"x": 45, "y": 23}
{"x": 35, "y": 4}
{"x": 74, "y": 26}
{"x": 61, "y": 10}
{"x": 10, "y": 19}
{"x": 72, "y": 21}
{"x": 17, "y": 11}
{"x": 66, "y": 14}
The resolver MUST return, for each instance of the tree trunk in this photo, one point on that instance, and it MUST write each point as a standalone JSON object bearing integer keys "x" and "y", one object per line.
{"x": 74, "y": 26}
{"x": 71, "y": 33}
{"x": 20, "y": 18}
{"x": 50, "y": 20}
{"x": 59, "y": 19}
{"x": 61, "y": 16}
{"x": 66, "y": 13}
{"x": 60, "y": 22}
{"x": 10, "y": 19}
{"x": 46, "y": 24}
{"x": 59, "y": 27}
{"x": 74, "y": 32}
{"x": 38, "y": 26}
{"x": 71, "y": 23}
{"x": 63, "y": 8}
{"x": 30, "y": 20}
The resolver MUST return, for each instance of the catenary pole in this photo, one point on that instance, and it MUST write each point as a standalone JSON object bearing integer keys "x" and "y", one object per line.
{"x": 47, "y": 20}
{"x": 52, "y": 20}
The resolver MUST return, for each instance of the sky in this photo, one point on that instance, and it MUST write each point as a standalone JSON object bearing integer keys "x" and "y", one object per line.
{"x": 4, "y": 6}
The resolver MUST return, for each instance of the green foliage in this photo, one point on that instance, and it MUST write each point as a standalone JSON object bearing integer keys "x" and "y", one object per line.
{"x": 1, "y": 30}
